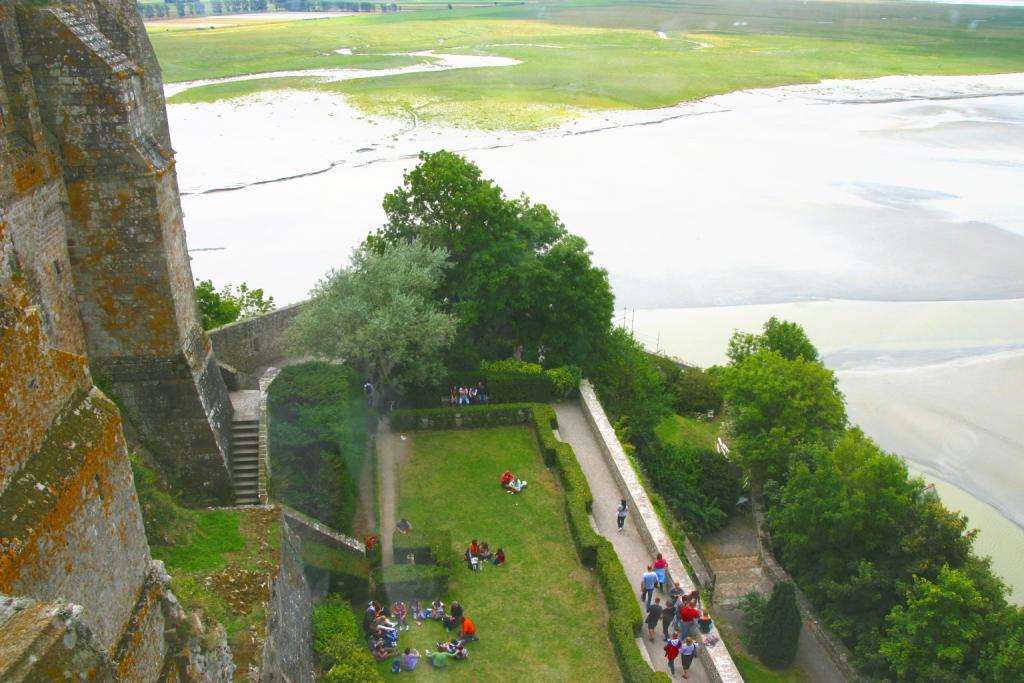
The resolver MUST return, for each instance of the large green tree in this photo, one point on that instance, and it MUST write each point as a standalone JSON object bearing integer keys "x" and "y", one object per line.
{"x": 380, "y": 314}
{"x": 779, "y": 406}
{"x": 519, "y": 283}
{"x": 785, "y": 337}
{"x": 938, "y": 635}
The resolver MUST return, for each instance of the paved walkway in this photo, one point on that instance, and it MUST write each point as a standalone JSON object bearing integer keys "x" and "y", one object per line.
{"x": 574, "y": 429}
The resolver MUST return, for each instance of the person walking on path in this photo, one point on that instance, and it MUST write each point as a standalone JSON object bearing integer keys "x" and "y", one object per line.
{"x": 688, "y": 617}
{"x": 647, "y": 583}
{"x": 660, "y": 565}
{"x": 668, "y": 615}
{"x": 686, "y": 652}
{"x": 620, "y": 516}
{"x": 653, "y": 617}
{"x": 672, "y": 646}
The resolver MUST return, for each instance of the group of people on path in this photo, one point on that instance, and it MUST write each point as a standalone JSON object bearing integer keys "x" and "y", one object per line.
{"x": 468, "y": 395}
{"x": 678, "y": 615}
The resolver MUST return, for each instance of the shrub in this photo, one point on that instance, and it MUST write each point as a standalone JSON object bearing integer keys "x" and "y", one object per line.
{"x": 565, "y": 381}
{"x": 695, "y": 391}
{"x": 338, "y": 642}
{"x": 776, "y": 639}
{"x": 508, "y": 381}
{"x": 700, "y": 486}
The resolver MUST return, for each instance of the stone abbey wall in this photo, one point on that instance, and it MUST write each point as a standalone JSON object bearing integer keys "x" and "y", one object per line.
{"x": 94, "y": 282}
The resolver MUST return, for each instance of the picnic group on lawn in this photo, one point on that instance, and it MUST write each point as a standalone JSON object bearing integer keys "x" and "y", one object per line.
{"x": 678, "y": 616}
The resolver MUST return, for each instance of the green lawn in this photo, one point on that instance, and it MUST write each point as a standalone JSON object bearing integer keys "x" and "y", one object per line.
{"x": 686, "y": 431}
{"x": 609, "y": 55}
{"x": 541, "y": 617}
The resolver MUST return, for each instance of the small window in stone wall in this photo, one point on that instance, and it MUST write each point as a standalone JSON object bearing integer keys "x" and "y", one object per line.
{"x": 99, "y": 487}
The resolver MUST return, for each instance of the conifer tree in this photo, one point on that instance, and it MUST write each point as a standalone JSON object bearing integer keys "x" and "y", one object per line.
{"x": 778, "y": 634}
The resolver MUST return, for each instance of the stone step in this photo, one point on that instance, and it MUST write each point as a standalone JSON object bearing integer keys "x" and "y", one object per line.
{"x": 245, "y": 457}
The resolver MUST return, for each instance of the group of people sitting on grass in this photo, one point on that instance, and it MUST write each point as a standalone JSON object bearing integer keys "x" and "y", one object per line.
{"x": 382, "y": 627}
{"x": 511, "y": 483}
{"x": 478, "y": 555}
{"x": 468, "y": 395}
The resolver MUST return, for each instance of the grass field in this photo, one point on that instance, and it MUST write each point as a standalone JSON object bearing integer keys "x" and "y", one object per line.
{"x": 606, "y": 55}
{"x": 686, "y": 431}
{"x": 541, "y": 617}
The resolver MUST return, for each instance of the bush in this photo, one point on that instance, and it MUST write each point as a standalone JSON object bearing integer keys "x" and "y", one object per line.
{"x": 427, "y": 546}
{"x": 339, "y": 646}
{"x": 565, "y": 381}
{"x": 317, "y": 440}
{"x": 695, "y": 391}
{"x": 700, "y": 486}
{"x": 465, "y": 417}
{"x": 776, "y": 639}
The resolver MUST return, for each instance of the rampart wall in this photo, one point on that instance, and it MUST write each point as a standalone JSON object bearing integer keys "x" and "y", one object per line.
{"x": 246, "y": 347}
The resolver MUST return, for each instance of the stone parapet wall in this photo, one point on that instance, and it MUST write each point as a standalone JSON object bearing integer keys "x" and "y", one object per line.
{"x": 250, "y": 345}
{"x": 288, "y": 650}
{"x": 717, "y": 661}
{"x": 836, "y": 651}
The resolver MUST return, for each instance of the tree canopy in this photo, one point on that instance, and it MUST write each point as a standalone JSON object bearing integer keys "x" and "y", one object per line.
{"x": 780, "y": 405}
{"x": 518, "y": 282}
{"x": 786, "y": 338}
{"x": 380, "y": 314}
{"x": 217, "y": 308}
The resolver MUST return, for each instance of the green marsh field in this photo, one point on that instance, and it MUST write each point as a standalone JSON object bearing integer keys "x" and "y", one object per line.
{"x": 584, "y": 56}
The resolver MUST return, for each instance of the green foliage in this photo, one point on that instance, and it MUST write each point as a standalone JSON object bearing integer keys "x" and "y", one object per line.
{"x": 779, "y": 406}
{"x": 565, "y": 381}
{"x": 788, "y": 339}
{"x": 508, "y": 381}
{"x": 379, "y": 314}
{"x": 630, "y": 384}
{"x": 1004, "y": 659}
{"x": 518, "y": 280}
{"x": 686, "y": 431}
{"x": 700, "y": 486}
{"x": 228, "y": 305}
{"x": 166, "y": 522}
{"x": 775, "y": 642}
{"x": 695, "y": 391}
{"x": 754, "y": 607}
{"x": 216, "y": 534}
{"x": 317, "y": 440}
{"x": 339, "y": 646}
{"x": 938, "y": 635}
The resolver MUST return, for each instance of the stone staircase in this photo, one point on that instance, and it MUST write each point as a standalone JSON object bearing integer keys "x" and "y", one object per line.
{"x": 245, "y": 461}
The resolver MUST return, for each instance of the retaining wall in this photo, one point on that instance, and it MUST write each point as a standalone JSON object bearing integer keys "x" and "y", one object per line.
{"x": 288, "y": 650}
{"x": 717, "y": 661}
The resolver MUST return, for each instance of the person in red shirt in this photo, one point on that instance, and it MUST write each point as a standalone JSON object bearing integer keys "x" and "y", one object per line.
{"x": 468, "y": 629}
{"x": 672, "y": 646}
{"x": 688, "y": 617}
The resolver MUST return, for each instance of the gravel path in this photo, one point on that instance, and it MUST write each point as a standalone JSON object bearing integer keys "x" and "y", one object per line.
{"x": 574, "y": 429}
{"x": 392, "y": 450}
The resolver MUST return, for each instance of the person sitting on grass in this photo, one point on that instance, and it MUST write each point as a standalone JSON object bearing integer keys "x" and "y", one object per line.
{"x": 439, "y": 659}
{"x": 511, "y": 483}
{"x": 499, "y": 557}
{"x": 468, "y": 629}
{"x": 460, "y": 651}
{"x": 414, "y": 610}
{"x": 410, "y": 659}
{"x": 456, "y": 611}
{"x": 437, "y": 609}
{"x": 380, "y": 653}
{"x": 401, "y": 615}
{"x": 485, "y": 553}
{"x": 403, "y": 526}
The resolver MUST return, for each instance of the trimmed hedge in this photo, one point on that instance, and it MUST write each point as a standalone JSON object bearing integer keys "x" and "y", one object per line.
{"x": 507, "y": 382}
{"x": 624, "y": 616}
{"x": 408, "y": 581}
{"x": 427, "y": 546}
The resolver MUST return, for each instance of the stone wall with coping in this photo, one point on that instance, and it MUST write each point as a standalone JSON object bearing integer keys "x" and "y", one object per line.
{"x": 288, "y": 650}
{"x": 718, "y": 663}
{"x": 833, "y": 648}
{"x": 249, "y": 345}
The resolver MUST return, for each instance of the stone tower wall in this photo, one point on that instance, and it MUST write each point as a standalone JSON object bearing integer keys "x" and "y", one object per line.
{"x": 98, "y": 93}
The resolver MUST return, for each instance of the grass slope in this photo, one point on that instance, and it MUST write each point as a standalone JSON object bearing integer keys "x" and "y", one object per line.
{"x": 610, "y": 55}
{"x": 541, "y": 616}
{"x": 686, "y": 431}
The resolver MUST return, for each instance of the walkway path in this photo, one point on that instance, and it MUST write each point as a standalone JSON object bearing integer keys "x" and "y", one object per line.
{"x": 574, "y": 429}
{"x": 392, "y": 451}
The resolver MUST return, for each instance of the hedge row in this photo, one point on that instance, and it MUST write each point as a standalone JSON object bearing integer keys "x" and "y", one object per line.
{"x": 624, "y": 616}
{"x": 426, "y": 546}
{"x": 409, "y": 581}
